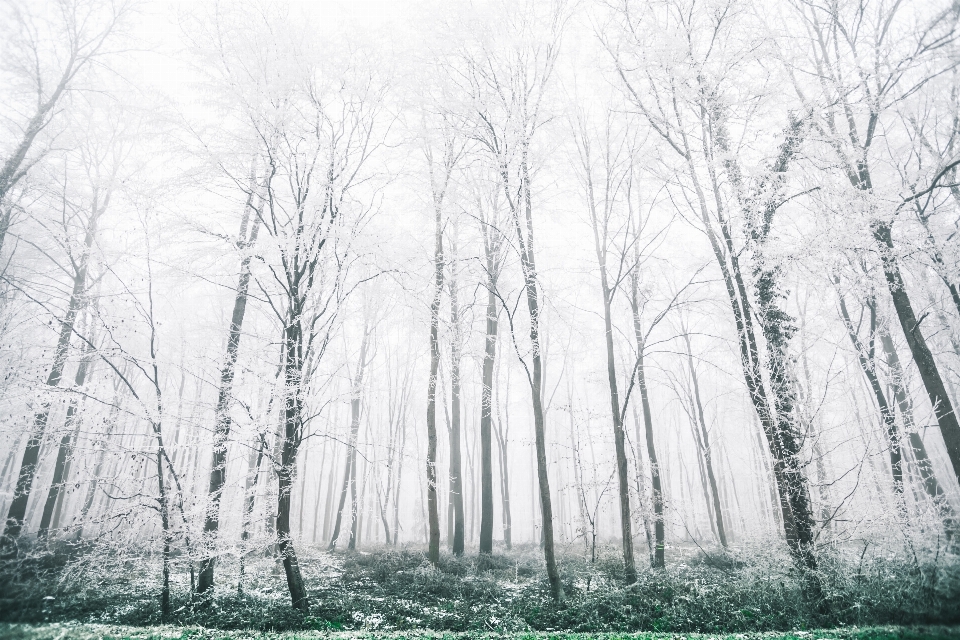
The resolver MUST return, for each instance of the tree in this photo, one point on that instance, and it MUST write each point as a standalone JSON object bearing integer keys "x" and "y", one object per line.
{"x": 46, "y": 53}
{"x": 507, "y": 93}
{"x": 864, "y": 73}
{"x": 245, "y": 242}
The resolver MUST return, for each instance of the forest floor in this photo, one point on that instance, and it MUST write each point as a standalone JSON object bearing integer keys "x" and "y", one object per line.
{"x": 396, "y": 593}
{"x": 78, "y": 631}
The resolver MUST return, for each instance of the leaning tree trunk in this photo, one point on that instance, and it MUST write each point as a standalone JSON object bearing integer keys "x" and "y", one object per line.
{"x": 658, "y": 525}
{"x": 703, "y": 443}
{"x": 222, "y": 420}
{"x": 924, "y": 466}
{"x": 292, "y": 425}
{"x": 31, "y": 455}
{"x": 926, "y": 365}
{"x": 71, "y": 429}
{"x": 530, "y": 280}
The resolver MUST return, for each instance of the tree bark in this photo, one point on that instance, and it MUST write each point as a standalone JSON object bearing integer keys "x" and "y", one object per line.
{"x": 524, "y": 231}
{"x": 924, "y": 466}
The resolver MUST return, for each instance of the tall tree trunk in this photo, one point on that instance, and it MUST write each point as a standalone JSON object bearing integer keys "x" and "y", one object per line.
{"x": 659, "y": 560}
{"x": 456, "y": 463}
{"x": 703, "y": 443}
{"x": 222, "y": 420}
{"x": 486, "y": 415}
{"x": 926, "y": 365}
{"x": 292, "y": 430}
{"x": 531, "y": 285}
{"x": 503, "y": 433}
{"x": 350, "y": 471}
{"x": 433, "y": 514}
{"x": 71, "y": 429}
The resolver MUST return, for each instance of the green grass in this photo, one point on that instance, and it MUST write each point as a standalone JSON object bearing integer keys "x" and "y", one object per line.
{"x": 77, "y": 631}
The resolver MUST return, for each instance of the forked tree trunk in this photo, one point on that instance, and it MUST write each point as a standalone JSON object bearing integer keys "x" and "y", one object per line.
{"x": 350, "y": 470}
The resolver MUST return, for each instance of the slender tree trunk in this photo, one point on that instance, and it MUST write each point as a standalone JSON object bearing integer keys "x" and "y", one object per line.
{"x": 868, "y": 366}
{"x": 433, "y": 514}
{"x": 528, "y": 262}
{"x": 704, "y": 445}
{"x": 486, "y": 416}
{"x": 222, "y": 420}
{"x": 927, "y": 475}
{"x": 456, "y": 463}
{"x": 31, "y": 455}
{"x": 249, "y": 501}
{"x": 502, "y": 433}
{"x": 659, "y": 532}
{"x": 71, "y": 429}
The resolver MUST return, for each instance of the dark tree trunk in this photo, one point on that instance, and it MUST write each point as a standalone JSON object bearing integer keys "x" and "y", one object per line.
{"x": 222, "y": 420}
{"x": 659, "y": 560}
{"x": 292, "y": 433}
{"x": 530, "y": 278}
{"x": 432, "y": 501}
{"x": 486, "y": 418}
{"x": 929, "y": 373}
{"x": 925, "y": 468}
{"x": 456, "y": 464}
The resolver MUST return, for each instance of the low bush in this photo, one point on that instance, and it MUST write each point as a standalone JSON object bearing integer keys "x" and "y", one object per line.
{"x": 745, "y": 590}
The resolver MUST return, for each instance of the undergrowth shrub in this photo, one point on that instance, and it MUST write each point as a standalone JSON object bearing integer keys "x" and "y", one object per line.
{"x": 752, "y": 588}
